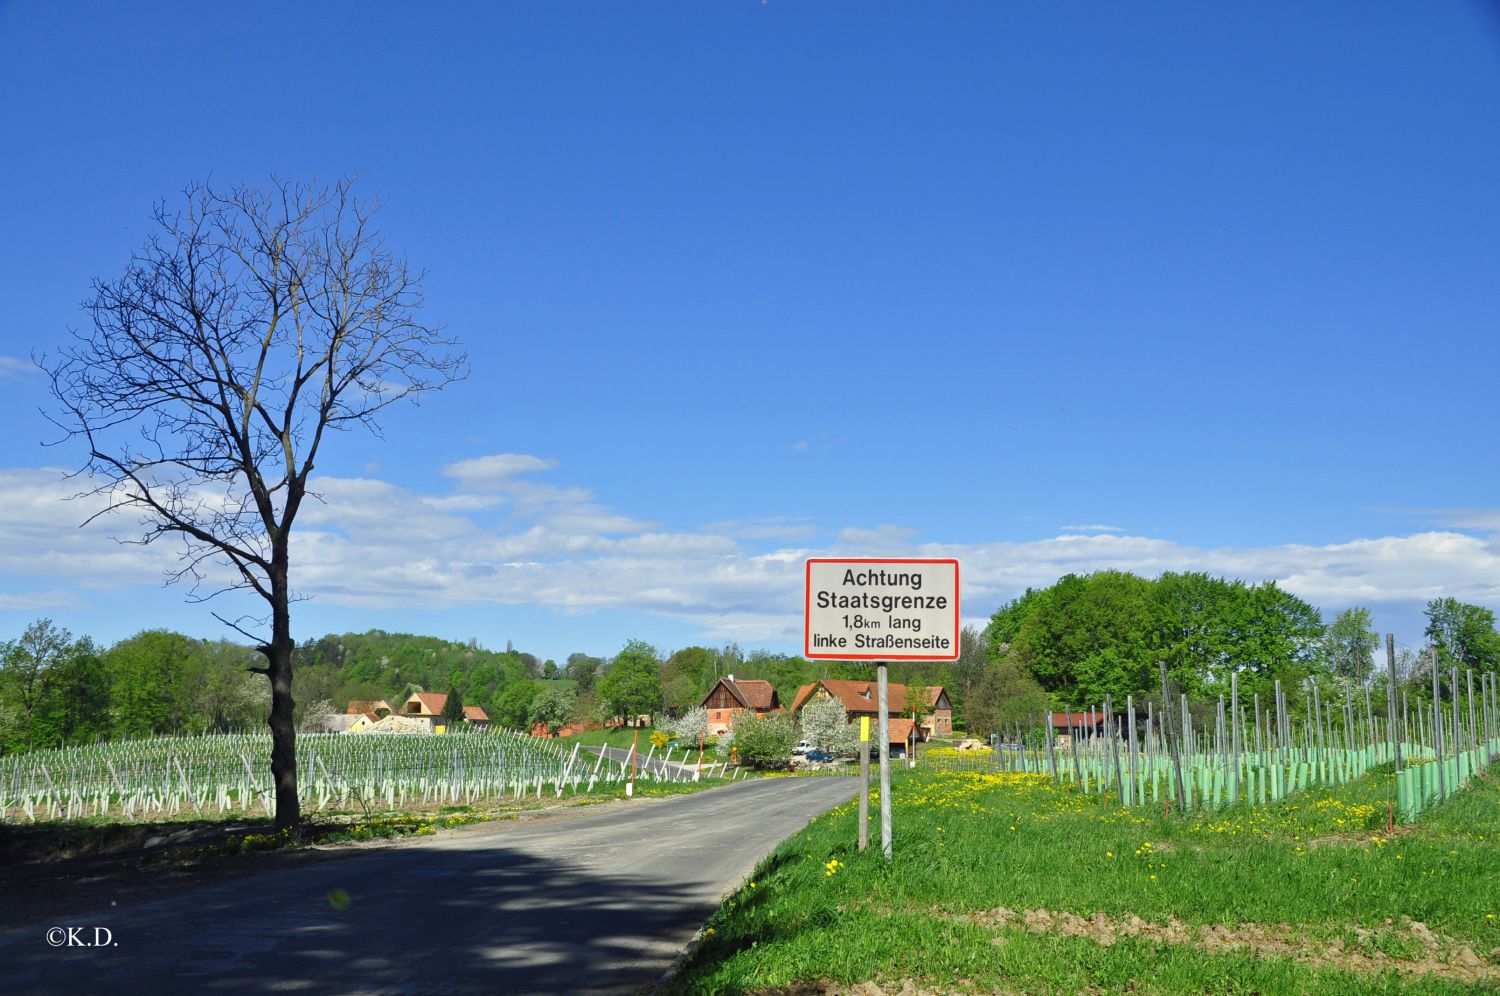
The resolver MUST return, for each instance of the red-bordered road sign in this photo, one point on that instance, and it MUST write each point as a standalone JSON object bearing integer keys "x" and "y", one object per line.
{"x": 881, "y": 609}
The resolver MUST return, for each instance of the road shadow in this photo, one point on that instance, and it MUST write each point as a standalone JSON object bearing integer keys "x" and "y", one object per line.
{"x": 485, "y": 919}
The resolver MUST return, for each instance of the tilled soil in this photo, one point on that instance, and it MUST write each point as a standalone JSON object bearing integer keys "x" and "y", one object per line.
{"x": 1441, "y": 956}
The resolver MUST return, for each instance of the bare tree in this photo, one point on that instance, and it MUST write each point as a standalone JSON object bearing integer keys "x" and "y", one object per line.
{"x": 253, "y": 322}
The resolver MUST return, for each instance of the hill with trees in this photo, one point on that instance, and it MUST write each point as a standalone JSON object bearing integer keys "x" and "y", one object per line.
{"x": 1065, "y": 646}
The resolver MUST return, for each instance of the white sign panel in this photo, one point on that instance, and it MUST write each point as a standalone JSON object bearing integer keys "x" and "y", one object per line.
{"x": 881, "y": 610}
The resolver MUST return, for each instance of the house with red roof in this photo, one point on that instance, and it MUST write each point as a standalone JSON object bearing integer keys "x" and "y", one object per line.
{"x": 861, "y": 698}
{"x": 1089, "y": 723}
{"x": 728, "y": 698}
{"x": 429, "y": 706}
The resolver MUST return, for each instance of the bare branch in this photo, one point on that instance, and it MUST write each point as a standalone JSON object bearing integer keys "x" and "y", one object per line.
{"x": 250, "y": 322}
{"x": 243, "y": 632}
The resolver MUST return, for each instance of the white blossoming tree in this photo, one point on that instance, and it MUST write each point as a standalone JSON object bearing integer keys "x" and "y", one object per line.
{"x": 826, "y": 726}
{"x": 691, "y": 726}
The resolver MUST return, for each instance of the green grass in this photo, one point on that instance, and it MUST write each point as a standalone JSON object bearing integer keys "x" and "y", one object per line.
{"x": 968, "y": 844}
{"x": 615, "y": 736}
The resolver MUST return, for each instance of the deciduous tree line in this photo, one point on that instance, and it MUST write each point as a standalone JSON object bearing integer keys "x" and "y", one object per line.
{"x": 57, "y": 689}
{"x": 1065, "y": 646}
{"x": 1106, "y": 634}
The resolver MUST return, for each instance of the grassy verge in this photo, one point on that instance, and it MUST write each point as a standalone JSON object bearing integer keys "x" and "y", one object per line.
{"x": 1003, "y": 881}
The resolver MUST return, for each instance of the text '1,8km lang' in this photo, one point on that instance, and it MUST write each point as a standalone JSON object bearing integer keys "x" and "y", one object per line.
{"x": 872, "y": 609}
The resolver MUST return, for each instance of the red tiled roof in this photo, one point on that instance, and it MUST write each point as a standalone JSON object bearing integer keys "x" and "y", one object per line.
{"x": 357, "y": 706}
{"x": 863, "y": 696}
{"x": 432, "y": 703}
{"x": 1068, "y": 720}
{"x": 752, "y": 693}
{"x": 900, "y": 731}
{"x": 756, "y": 694}
{"x": 476, "y": 714}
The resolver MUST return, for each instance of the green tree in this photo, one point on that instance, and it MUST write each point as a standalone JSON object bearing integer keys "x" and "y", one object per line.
{"x": 633, "y": 685}
{"x": 1083, "y": 638}
{"x": 1099, "y": 635}
{"x": 965, "y": 673}
{"x": 552, "y": 707}
{"x": 763, "y": 741}
{"x": 25, "y": 667}
{"x": 786, "y": 673}
{"x": 453, "y": 708}
{"x": 1463, "y": 634}
{"x": 151, "y": 677}
{"x": 1005, "y": 694}
{"x": 1350, "y": 645}
{"x": 226, "y": 697}
{"x": 584, "y": 670}
{"x": 251, "y": 327}
{"x": 74, "y": 706}
{"x": 513, "y": 708}
{"x": 687, "y": 675}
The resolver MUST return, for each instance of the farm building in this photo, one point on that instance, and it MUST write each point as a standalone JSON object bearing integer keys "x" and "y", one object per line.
{"x": 860, "y": 698}
{"x": 1085, "y": 724}
{"x": 364, "y": 722}
{"x": 729, "y": 698}
{"x": 901, "y": 733}
{"x": 428, "y": 706}
{"x": 392, "y": 724}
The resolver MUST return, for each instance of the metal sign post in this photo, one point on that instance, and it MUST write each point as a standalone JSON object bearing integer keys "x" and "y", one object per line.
{"x": 864, "y": 782}
{"x": 881, "y": 610}
{"x": 885, "y": 759}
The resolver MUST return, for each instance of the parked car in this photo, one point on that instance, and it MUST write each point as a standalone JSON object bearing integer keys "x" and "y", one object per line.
{"x": 819, "y": 755}
{"x": 803, "y": 746}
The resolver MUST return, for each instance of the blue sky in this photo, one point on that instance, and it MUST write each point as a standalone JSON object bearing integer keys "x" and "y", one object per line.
{"x": 1042, "y": 287}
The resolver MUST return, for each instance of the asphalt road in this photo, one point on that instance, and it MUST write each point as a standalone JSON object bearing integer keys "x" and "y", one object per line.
{"x": 590, "y": 901}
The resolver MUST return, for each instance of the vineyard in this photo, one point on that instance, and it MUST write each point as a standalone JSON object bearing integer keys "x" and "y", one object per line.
{"x": 147, "y": 779}
{"x": 1262, "y": 757}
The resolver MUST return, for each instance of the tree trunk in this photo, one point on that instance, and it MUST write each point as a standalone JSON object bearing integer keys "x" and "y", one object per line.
{"x": 283, "y": 734}
{"x": 279, "y": 667}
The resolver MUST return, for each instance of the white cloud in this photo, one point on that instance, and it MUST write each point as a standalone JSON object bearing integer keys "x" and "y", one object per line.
{"x": 499, "y": 479}
{"x": 42, "y": 534}
{"x": 880, "y": 539}
{"x": 373, "y": 544}
{"x": 1387, "y": 569}
{"x": 498, "y": 469}
{"x": 1092, "y": 529}
{"x": 14, "y": 368}
{"x": 39, "y": 601}
{"x": 764, "y": 527}
{"x": 823, "y": 441}
{"x": 1469, "y": 518}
